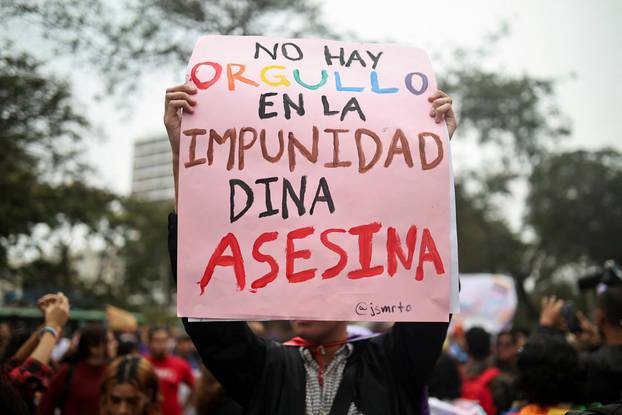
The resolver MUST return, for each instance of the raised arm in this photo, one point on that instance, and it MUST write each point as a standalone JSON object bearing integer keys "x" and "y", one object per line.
{"x": 177, "y": 99}
{"x": 56, "y": 315}
{"x": 229, "y": 349}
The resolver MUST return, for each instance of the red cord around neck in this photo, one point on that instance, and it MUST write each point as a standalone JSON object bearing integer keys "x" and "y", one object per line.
{"x": 318, "y": 351}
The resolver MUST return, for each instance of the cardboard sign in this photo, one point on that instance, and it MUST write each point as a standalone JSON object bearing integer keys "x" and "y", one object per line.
{"x": 314, "y": 184}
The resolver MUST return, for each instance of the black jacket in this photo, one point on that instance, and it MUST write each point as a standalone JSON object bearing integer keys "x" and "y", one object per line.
{"x": 604, "y": 374}
{"x": 265, "y": 377}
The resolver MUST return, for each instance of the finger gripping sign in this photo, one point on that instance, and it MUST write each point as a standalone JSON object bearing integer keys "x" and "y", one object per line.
{"x": 313, "y": 184}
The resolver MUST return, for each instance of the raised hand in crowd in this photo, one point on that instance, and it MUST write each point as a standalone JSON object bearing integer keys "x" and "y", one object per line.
{"x": 28, "y": 370}
{"x": 551, "y": 313}
{"x": 586, "y": 334}
{"x": 55, "y": 311}
{"x": 56, "y": 314}
{"x": 589, "y": 335}
{"x": 46, "y": 301}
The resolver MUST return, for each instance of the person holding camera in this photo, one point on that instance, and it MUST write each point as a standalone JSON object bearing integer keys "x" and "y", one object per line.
{"x": 603, "y": 361}
{"x": 604, "y": 365}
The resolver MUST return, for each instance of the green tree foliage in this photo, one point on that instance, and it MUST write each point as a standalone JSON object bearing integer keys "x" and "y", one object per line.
{"x": 514, "y": 117}
{"x": 136, "y": 37}
{"x": 42, "y": 177}
{"x": 575, "y": 207}
{"x": 487, "y": 244}
{"x": 485, "y": 241}
{"x": 512, "y": 112}
{"x": 144, "y": 252}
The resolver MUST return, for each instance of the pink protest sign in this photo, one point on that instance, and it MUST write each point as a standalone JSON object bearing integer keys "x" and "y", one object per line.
{"x": 313, "y": 184}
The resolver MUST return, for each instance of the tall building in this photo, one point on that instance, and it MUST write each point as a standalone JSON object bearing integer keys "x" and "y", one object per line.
{"x": 152, "y": 177}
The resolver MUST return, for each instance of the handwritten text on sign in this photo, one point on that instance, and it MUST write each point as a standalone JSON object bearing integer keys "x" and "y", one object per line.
{"x": 313, "y": 183}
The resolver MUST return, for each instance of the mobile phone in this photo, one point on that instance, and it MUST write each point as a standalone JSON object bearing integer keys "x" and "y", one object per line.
{"x": 569, "y": 313}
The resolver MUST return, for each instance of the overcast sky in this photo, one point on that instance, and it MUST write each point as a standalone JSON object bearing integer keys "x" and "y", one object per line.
{"x": 548, "y": 38}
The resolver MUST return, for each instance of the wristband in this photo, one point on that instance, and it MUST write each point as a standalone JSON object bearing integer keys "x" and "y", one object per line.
{"x": 51, "y": 330}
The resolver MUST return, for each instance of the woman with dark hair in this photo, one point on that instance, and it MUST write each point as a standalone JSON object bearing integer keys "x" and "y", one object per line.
{"x": 75, "y": 388}
{"x": 130, "y": 386}
{"x": 550, "y": 378}
{"x": 479, "y": 374}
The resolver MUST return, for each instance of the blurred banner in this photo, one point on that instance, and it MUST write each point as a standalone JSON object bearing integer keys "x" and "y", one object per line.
{"x": 486, "y": 300}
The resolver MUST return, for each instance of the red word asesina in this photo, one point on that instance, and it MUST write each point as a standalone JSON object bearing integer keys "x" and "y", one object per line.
{"x": 365, "y": 233}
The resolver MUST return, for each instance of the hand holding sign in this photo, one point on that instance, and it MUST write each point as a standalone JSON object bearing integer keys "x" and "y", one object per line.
{"x": 302, "y": 199}
{"x": 176, "y": 99}
{"x": 443, "y": 111}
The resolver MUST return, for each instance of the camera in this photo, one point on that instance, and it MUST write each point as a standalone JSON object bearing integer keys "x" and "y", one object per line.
{"x": 609, "y": 274}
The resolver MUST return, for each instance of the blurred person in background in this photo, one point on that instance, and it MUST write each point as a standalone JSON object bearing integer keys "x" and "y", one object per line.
{"x": 171, "y": 370}
{"x": 503, "y": 386}
{"x": 5, "y": 336}
{"x": 143, "y": 337}
{"x": 445, "y": 389}
{"x": 211, "y": 399}
{"x": 506, "y": 352}
{"x": 130, "y": 386}
{"x": 129, "y": 344}
{"x": 521, "y": 334}
{"x": 478, "y": 370}
{"x": 457, "y": 344}
{"x": 74, "y": 389}
{"x": 28, "y": 369}
{"x": 550, "y": 379}
{"x": 603, "y": 363}
{"x": 19, "y": 336}
{"x": 184, "y": 348}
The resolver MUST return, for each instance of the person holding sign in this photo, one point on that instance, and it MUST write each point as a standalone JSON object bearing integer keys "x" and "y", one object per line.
{"x": 323, "y": 370}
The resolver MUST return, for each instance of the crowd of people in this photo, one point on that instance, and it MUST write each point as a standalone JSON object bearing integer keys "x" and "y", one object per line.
{"x": 549, "y": 369}
{"x": 567, "y": 362}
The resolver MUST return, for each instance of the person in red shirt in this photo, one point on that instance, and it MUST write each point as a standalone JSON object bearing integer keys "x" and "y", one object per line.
{"x": 478, "y": 371}
{"x": 171, "y": 370}
{"x": 75, "y": 387}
